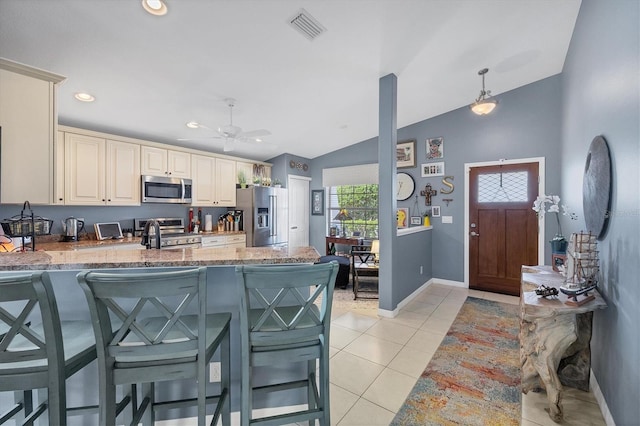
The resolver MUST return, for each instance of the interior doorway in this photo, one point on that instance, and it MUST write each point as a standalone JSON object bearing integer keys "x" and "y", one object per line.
{"x": 299, "y": 210}
{"x": 501, "y": 228}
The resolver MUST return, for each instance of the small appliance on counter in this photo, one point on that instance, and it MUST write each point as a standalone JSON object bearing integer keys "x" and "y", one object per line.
{"x": 172, "y": 234}
{"x": 71, "y": 228}
{"x": 25, "y": 227}
{"x": 108, "y": 230}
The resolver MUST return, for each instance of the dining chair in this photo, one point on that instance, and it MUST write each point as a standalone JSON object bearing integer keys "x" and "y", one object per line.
{"x": 281, "y": 322}
{"x": 173, "y": 344}
{"x": 364, "y": 263}
{"x": 37, "y": 349}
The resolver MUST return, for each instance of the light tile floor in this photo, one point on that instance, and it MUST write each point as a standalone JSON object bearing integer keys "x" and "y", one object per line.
{"x": 376, "y": 361}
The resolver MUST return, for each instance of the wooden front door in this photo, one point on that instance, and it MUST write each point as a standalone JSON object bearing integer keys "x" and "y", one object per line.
{"x": 503, "y": 228}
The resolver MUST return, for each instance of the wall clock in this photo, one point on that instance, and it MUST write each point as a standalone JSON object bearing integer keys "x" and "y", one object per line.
{"x": 405, "y": 186}
{"x": 596, "y": 187}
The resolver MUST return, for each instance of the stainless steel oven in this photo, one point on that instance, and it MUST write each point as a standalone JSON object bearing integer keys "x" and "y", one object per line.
{"x": 162, "y": 189}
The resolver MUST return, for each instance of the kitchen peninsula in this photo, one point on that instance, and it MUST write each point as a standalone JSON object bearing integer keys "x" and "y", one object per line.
{"x": 222, "y": 296}
{"x": 136, "y": 258}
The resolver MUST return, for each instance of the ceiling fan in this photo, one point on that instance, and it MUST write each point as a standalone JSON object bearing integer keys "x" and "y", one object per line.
{"x": 230, "y": 133}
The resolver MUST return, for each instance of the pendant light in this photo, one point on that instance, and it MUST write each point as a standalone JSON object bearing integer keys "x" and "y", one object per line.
{"x": 485, "y": 103}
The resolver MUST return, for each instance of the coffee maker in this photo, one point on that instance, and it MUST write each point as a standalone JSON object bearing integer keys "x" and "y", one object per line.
{"x": 71, "y": 228}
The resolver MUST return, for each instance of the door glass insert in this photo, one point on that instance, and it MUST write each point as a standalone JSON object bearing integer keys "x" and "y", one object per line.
{"x": 508, "y": 187}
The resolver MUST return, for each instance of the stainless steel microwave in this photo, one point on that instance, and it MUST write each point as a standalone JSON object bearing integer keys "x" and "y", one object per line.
{"x": 162, "y": 189}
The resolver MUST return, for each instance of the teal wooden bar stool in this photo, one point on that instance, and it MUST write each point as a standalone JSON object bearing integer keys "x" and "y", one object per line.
{"x": 170, "y": 345}
{"x": 280, "y": 323}
{"x": 37, "y": 350}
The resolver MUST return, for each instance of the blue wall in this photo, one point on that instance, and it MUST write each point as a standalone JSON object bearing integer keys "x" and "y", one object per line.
{"x": 601, "y": 90}
{"x": 527, "y": 123}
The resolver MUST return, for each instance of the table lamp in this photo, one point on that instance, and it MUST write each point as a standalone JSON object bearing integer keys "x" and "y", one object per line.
{"x": 342, "y": 216}
{"x": 375, "y": 249}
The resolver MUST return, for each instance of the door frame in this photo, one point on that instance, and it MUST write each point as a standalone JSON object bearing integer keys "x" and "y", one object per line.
{"x": 467, "y": 194}
{"x": 291, "y": 177}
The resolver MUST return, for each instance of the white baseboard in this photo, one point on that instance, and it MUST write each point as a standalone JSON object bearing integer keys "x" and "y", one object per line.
{"x": 602, "y": 403}
{"x": 404, "y": 302}
{"x": 449, "y": 282}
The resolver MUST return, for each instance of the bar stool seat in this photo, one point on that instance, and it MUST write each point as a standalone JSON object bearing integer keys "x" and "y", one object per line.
{"x": 39, "y": 355}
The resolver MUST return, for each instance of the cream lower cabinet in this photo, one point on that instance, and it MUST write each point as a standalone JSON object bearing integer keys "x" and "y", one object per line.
{"x": 100, "y": 171}
{"x": 224, "y": 241}
{"x": 214, "y": 181}
{"x": 165, "y": 162}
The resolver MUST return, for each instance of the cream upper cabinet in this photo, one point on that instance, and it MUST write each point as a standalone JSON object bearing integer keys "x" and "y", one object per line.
{"x": 100, "y": 172}
{"x": 28, "y": 121}
{"x": 58, "y": 169}
{"x": 123, "y": 173}
{"x": 251, "y": 170}
{"x": 84, "y": 164}
{"x": 213, "y": 181}
{"x": 165, "y": 162}
{"x": 246, "y": 169}
{"x": 225, "y": 182}
{"x": 203, "y": 176}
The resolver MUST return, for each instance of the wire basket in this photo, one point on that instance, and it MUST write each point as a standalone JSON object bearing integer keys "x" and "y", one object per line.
{"x": 26, "y": 224}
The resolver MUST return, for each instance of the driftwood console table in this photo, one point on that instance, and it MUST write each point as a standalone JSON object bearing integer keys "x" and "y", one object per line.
{"x": 554, "y": 338}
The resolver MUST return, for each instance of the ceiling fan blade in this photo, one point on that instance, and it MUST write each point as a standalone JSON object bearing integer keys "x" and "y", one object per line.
{"x": 254, "y": 133}
{"x": 201, "y": 138}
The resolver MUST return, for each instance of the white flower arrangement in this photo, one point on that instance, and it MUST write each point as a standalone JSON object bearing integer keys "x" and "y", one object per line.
{"x": 540, "y": 207}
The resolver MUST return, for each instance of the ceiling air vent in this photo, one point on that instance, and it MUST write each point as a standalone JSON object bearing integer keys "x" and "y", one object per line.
{"x": 306, "y": 24}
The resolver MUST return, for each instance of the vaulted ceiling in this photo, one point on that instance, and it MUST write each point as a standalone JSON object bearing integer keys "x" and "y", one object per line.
{"x": 151, "y": 75}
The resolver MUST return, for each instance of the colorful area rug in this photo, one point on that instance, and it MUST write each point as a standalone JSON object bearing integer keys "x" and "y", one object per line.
{"x": 474, "y": 376}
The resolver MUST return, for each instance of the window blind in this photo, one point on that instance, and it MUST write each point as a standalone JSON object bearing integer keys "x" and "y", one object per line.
{"x": 352, "y": 175}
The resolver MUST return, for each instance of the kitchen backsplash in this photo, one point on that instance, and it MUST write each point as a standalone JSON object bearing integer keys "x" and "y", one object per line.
{"x": 91, "y": 215}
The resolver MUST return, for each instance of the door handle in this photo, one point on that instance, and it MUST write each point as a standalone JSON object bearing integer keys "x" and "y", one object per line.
{"x": 294, "y": 227}
{"x": 474, "y": 234}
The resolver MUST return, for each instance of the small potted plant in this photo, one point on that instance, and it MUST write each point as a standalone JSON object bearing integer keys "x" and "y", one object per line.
{"x": 242, "y": 179}
{"x": 266, "y": 181}
{"x": 256, "y": 181}
{"x": 276, "y": 183}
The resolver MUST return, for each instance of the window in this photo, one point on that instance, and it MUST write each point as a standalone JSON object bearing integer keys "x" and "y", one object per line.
{"x": 361, "y": 202}
{"x": 510, "y": 187}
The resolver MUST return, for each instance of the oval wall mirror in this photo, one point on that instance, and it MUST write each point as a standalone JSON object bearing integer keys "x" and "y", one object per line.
{"x": 596, "y": 187}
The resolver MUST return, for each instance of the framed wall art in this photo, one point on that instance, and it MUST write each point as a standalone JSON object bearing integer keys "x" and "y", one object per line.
{"x": 406, "y": 154}
{"x": 317, "y": 202}
{"x": 416, "y": 220}
{"x": 435, "y": 211}
{"x": 432, "y": 169}
{"x": 435, "y": 148}
{"x": 402, "y": 217}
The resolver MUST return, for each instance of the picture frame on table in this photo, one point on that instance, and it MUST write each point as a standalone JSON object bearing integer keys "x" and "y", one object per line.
{"x": 406, "y": 154}
{"x": 402, "y": 217}
{"x": 432, "y": 169}
{"x": 435, "y": 211}
{"x": 416, "y": 220}
{"x": 317, "y": 202}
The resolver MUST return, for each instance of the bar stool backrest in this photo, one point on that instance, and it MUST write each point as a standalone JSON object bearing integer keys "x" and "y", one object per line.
{"x": 32, "y": 295}
{"x": 128, "y": 299}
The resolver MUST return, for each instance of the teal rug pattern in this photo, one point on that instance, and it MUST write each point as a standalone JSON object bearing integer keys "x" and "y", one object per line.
{"x": 474, "y": 376}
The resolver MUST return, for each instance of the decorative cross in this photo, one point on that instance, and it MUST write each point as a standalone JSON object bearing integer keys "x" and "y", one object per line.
{"x": 447, "y": 200}
{"x": 428, "y": 193}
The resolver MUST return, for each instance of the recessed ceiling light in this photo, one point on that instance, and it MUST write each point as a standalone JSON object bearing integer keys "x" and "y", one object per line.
{"x": 193, "y": 125}
{"x": 155, "y": 7}
{"x": 84, "y": 97}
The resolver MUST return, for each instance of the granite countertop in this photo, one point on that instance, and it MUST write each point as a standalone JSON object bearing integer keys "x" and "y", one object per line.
{"x": 136, "y": 258}
{"x": 55, "y": 243}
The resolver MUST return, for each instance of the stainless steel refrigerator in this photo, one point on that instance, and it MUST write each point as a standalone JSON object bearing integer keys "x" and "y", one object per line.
{"x": 265, "y": 215}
